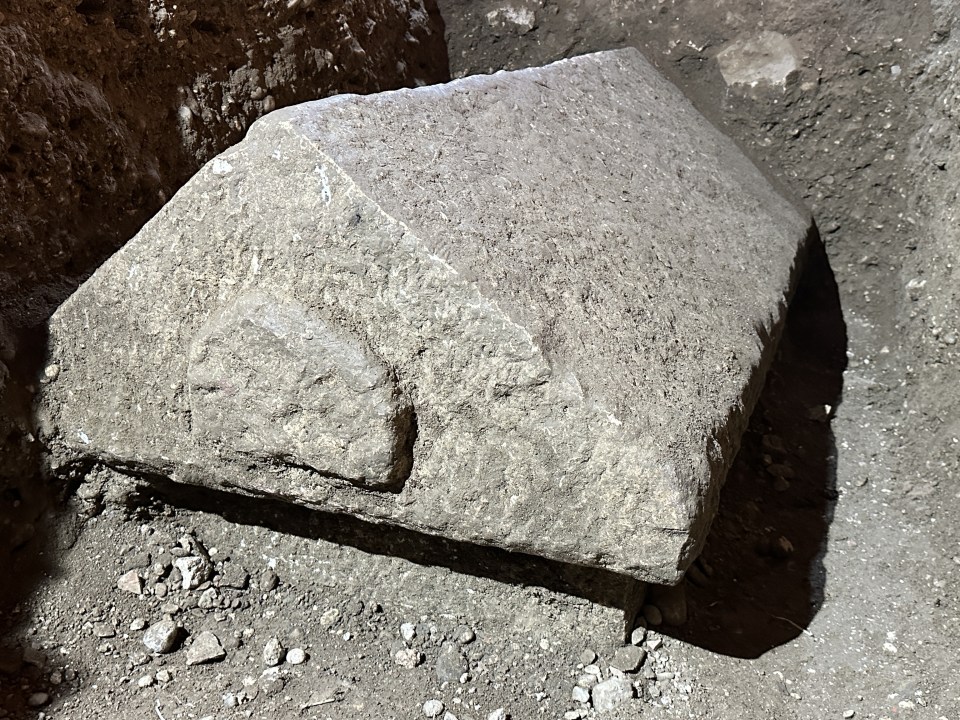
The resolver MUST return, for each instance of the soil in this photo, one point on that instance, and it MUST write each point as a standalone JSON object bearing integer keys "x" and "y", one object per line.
{"x": 829, "y": 585}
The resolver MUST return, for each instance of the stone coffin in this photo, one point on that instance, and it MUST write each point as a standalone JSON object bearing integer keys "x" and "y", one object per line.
{"x": 531, "y": 310}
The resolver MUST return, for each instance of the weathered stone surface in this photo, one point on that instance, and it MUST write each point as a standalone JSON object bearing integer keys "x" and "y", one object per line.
{"x": 267, "y": 379}
{"x": 553, "y": 292}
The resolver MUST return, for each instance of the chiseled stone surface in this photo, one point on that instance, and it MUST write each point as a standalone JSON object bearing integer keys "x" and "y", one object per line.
{"x": 530, "y": 310}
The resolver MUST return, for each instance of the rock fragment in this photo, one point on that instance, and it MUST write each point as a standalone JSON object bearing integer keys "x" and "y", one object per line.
{"x": 268, "y": 580}
{"x": 465, "y": 635}
{"x": 162, "y": 637}
{"x": 432, "y": 708}
{"x": 194, "y": 569}
{"x": 671, "y": 601}
{"x": 206, "y": 648}
{"x": 408, "y": 658}
{"x": 38, "y": 699}
{"x": 451, "y": 663}
{"x": 273, "y": 652}
{"x": 628, "y": 659}
{"x": 765, "y": 58}
{"x": 612, "y": 692}
{"x": 131, "y": 582}
{"x": 652, "y": 614}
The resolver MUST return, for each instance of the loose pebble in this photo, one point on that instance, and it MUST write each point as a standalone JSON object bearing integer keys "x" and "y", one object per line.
{"x": 329, "y": 618}
{"x": 268, "y": 580}
{"x": 849, "y": 714}
{"x": 652, "y": 614}
{"x": 38, "y": 699}
{"x": 432, "y": 708}
{"x": 145, "y": 681}
{"x": 611, "y": 693}
{"x": 465, "y": 635}
{"x": 697, "y": 576}
{"x": 161, "y": 637}
{"x": 273, "y": 652}
{"x": 408, "y": 658}
{"x": 296, "y": 656}
{"x": 588, "y": 657}
{"x": 671, "y": 602}
{"x": 206, "y": 648}
{"x": 104, "y": 630}
{"x": 587, "y": 681}
{"x": 164, "y": 676}
{"x": 408, "y": 631}
{"x": 451, "y": 663}
{"x": 628, "y": 658}
{"x": 194, "y": 569}
{"x": 498, "y": 714}
{"x": 638, "y": 636}
{"x": 580, "y": 694}
{"x": 131, "y": 582}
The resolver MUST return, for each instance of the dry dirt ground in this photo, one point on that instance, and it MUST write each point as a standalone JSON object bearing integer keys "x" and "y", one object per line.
{"x": 835, "y": 560}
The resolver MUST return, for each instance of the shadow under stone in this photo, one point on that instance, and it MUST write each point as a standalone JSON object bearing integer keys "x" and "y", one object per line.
{"x": 597, "y": 585}
{"x": 765, "y": 545}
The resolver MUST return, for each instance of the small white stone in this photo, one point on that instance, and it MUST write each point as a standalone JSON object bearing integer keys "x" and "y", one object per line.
{"x": 329, "y": 618}
{"x": 296, "y": 656}
{"x": 408, "y": 658}
{"x": 408, "y": 631}
{"x": 131, "y": 582}
{"x": 432, "y": 708}
{"x": 145, "y": 681}
{"x": 273, "y": 653}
